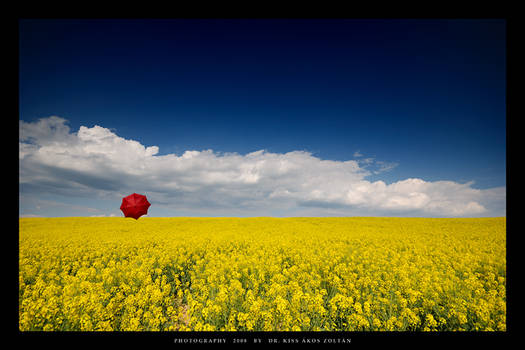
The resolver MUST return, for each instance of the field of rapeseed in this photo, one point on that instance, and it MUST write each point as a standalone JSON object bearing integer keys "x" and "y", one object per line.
{"x": 268, "y": 274}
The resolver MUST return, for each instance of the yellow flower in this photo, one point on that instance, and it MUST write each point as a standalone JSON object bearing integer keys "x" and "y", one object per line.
{"x": 262, "y": 274}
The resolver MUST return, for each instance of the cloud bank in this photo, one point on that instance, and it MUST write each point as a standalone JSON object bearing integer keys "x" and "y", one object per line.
{"x": 97, "y": 163}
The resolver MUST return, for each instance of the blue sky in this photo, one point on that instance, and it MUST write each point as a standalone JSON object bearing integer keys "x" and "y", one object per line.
{"x": 402, "y": 99}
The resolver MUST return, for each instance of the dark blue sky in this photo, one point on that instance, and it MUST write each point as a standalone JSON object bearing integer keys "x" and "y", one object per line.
{"x": 428, "y": 95}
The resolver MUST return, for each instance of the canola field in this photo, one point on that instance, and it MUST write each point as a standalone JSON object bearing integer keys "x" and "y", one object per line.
{"x": 262, "y": 274}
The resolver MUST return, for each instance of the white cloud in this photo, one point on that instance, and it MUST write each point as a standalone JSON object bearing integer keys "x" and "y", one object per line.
{"x": 96, "y": 162}
{"x": 384, "y": 166}
{"x": 105, "y": 216}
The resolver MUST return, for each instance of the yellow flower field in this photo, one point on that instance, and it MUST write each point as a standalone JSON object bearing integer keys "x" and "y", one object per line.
{"x": 265, "y": 274}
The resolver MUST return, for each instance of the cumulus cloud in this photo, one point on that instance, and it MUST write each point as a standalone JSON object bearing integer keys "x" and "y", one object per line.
{"x": 30, "y": 216}
{"x": 96, "y": 162}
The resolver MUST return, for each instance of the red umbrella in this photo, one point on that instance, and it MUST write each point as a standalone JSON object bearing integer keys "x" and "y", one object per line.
{"x": 134, "y": 206}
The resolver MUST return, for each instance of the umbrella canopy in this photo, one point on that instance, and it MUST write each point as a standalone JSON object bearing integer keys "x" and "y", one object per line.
{"x": 134, "y": 206}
